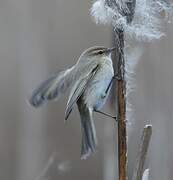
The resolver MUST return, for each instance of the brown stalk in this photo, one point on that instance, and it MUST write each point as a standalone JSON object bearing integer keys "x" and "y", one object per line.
{"x": 121, "y": 105}
{"x": 121, "y": 94}
{"x": 143, "y": 148}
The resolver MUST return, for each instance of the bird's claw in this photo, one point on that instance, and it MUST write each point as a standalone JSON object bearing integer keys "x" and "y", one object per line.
{"x": 117, "y": 77}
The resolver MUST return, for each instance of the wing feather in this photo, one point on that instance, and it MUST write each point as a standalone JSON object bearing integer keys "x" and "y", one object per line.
{"x": 52, "y": 88}
{"x": 78, "y": 90}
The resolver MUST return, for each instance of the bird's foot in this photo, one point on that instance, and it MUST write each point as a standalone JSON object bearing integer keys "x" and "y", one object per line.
{"x": 117, "y": 77}
{"x": 108, "y": 115}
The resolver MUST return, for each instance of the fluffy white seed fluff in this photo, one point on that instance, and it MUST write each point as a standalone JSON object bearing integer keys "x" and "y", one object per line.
{"x": 103, "y": 14}
{"x": 147, "y": 21}
{"x": 132, "y": 56}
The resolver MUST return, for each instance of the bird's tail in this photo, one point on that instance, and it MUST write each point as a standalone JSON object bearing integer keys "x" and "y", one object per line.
{"x": 52, "y": 88}
{"x": 89, "y": 140}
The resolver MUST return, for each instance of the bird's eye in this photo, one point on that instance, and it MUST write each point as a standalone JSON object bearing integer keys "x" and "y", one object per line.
{"x": 100, "y": 52}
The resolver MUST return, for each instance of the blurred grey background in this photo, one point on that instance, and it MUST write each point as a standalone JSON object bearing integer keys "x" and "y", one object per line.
{"x": 40, "y": 37}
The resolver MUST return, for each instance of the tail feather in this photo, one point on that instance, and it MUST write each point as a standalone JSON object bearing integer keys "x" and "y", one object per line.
{"x": 52, "y": 88}
{"x": 89, "y": 140}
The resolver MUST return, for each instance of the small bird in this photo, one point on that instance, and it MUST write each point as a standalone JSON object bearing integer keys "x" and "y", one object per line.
{"x": 89, "y": 81}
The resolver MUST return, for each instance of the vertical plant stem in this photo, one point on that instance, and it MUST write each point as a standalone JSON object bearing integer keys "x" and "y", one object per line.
{"x": 143, "y": 148}
{"x": 121, "y": 91}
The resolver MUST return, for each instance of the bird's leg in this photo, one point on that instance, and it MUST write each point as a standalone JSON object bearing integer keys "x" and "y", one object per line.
{"x": 108, "y": 115}
{"x": 115, "y": 77}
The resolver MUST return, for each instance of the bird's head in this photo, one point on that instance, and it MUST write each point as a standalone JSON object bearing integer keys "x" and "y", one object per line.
{"x": 98, "y": 51}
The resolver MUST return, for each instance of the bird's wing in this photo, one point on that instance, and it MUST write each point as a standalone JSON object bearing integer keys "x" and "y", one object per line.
{"x": 52, "y": 88}
{"x": 79, "y": 88}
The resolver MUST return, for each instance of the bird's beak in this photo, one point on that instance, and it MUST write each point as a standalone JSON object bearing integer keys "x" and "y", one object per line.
{"x": 109, "y": 50}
